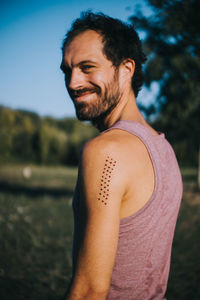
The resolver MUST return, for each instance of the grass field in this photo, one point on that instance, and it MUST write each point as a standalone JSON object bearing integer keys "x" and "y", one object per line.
{"x": 36, "y": 235}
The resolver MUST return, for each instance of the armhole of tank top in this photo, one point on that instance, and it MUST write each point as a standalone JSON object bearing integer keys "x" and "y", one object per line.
{"x": 124, "y": 221}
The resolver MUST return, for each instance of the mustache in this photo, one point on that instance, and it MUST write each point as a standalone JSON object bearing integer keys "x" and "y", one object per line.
{"x": 79, "y": 92}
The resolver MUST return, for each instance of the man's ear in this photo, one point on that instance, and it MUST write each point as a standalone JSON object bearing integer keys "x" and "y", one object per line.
{"x": 129, "y": 66}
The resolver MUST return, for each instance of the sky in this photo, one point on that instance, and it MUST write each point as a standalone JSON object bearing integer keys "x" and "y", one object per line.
{"x": 31, "y": 34}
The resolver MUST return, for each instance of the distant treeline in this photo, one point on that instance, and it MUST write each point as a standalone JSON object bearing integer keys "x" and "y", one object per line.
{"x": 27, "y": 137}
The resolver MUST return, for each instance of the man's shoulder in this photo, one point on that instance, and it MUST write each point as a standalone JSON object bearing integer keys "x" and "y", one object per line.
{"x": 117, "y": 143}
{"x": 124, "y": 158}
{"x": 102, "y": 143}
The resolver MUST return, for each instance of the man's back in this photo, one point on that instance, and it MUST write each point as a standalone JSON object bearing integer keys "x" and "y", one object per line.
{"x": 148, "y": 210}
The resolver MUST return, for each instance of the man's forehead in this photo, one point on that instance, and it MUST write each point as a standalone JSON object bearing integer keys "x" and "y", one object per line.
{"x": 88, "y": 35}
{"x": 87, "y": 40}
{"x": 86, "y": 45}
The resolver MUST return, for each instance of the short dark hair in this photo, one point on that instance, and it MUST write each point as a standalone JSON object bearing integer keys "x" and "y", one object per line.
{"x": 120, "y": 40}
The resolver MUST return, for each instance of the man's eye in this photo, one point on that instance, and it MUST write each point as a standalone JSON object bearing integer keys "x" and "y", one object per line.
{"x": 86, "y": 68}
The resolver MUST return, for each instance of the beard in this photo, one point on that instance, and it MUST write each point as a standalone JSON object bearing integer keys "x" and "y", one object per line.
{"x": 97, "y": 109}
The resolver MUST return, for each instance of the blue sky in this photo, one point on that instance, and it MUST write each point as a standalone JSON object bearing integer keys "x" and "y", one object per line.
{"x": 31, "y": 34}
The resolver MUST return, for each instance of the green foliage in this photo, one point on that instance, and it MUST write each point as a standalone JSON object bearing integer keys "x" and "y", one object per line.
{"x": 172, "y": 43}
{"x": 6, "y": 132}
{"x": 26, "y": 137}
{"x": 53, "y": 144}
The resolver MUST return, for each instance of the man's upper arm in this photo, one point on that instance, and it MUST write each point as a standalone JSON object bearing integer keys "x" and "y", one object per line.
{"x": 102, "y": 188}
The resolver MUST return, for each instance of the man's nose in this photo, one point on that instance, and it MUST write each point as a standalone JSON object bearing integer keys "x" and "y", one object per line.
{"x": 76, "y": 80}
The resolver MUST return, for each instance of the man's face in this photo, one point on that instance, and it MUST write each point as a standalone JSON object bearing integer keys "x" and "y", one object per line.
{"x": 90, "y": 78}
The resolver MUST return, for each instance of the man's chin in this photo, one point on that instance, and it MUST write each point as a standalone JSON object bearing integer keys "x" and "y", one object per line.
{"x": 86, "y": 115}
{"x": 83, "y": 116}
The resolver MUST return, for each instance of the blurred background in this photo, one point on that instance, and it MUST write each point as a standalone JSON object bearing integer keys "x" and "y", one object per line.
{"x": 40, "y": 138}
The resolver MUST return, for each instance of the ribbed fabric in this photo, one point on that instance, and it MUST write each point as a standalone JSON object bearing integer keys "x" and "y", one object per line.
{"x": 143, "y": 255}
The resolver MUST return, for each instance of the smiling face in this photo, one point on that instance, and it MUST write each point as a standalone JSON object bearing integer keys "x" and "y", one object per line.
{"x": 91, "y": 79}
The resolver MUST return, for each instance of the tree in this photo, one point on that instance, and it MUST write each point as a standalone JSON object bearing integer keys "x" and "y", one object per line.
{"x": 7, "y": 119}
{"x": 53, "y": 144}
{"x": 172, "y": 43}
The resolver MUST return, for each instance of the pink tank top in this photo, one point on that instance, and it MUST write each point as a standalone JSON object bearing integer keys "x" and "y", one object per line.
{"x": 143, "y": 255}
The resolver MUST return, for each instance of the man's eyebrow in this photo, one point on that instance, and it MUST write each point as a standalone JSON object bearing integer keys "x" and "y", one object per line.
{"x": 86, "y": 62}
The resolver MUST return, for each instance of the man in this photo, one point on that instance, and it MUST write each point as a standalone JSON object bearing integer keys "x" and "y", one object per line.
{"x": 129, "y": 185}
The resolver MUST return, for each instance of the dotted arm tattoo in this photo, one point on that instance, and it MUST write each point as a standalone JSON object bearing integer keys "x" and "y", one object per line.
{"x": 105, "y": 180}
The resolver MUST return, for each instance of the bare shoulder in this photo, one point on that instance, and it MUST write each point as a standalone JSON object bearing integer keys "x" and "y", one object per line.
{"x": 119, "y": 142}
{"x": 102, "y": 165}
{"x": 99, "y": 151}
{"x": 121, "y": 160}
{"x": 101, "y": 145}
{"x": 126, "y": 149}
